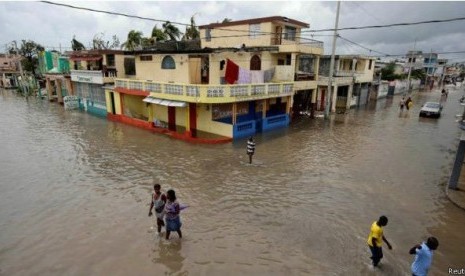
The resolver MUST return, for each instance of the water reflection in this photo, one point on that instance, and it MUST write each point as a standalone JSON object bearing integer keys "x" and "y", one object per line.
{"x": 169, "y": 254}
{"x": 304, "y": 206}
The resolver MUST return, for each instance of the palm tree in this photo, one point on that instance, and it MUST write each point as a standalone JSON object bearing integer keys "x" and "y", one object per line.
{"x": 76, "y": 45}
{"x": 171, "y": 31}
{"x": 192, "y": 32}
{"x": 133, "y": 41}
{"x": 158, "y": 34}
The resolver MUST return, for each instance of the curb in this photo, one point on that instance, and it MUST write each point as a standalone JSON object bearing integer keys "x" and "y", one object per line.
{"x": 453, "y": 201}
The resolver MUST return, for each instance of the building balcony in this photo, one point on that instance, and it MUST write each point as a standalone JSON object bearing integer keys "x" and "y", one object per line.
{"x": 323, "y": 80}
{"x": 94, "y": 76}
{"x": 196, "y": 93}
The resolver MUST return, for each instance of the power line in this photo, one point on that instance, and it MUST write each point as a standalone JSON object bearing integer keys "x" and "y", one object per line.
{"x": 388, "y": 25}
{"x": 113, "y": 13}
{"x": 361, "y": 46}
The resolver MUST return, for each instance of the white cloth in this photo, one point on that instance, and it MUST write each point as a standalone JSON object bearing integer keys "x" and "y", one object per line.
{"x": 257, "y": 76}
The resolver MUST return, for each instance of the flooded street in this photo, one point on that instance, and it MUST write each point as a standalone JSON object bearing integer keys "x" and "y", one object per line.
{"x": 75, "y": 193}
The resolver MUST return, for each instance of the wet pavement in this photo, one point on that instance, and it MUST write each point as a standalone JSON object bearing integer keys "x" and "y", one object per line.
{"x": 75, "y": 190}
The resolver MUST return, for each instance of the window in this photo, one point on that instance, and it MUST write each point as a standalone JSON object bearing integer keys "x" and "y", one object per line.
{"x": 254, "y": 30}
{"x": 208, "y": 34}
{"x": 146, "y": 58}
{"x": 130, "y": 66}
{"x": 168, "y": 63}
{"x": 288, "y": 59}
{"x": 370, "y": 64}
{"x": 111, "y": 60}
{"x": 289, "y": 33}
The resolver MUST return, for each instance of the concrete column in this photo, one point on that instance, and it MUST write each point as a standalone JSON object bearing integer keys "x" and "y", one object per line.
{"x": 59, "y": 92}
{"x": 69, "y": 86}
{"x": 456, "y": 170}
{"x": 288, "y": 104}
{"x": 188, "y": 122}
{"x": 264, "y": 109}
{"x": 334, "y": 99}
{"x": 349, "y": 96}
{"x": 313, "y": 103}
{"x": 317, "y": 68}
{"x": 48, "y": 86}
{"x": 234, "y": 107}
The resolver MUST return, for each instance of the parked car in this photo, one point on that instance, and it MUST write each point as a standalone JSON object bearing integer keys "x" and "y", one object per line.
{"x": 431, "y": 109}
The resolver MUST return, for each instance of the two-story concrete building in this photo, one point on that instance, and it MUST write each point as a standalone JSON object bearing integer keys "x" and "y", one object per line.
{"x": 92, "y": 71}
{"x": 54, "y": 67}
{"x": 9, "y": 70}
{"x": 245, "y": 77}
{"x": 352, "y": 78}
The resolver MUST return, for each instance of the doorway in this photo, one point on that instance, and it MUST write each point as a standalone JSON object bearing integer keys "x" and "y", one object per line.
{"x": 172, "y": 118}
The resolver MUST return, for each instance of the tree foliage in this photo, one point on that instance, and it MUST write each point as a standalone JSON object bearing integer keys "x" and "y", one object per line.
{"x": 30, "y": 51}
{"x": 158, "y": 34}
{"x": 387, "y": 73}
{"x": 99, "y": 43}
{"x": 76, "y": 45}
{"x": 133, "y": 41}
{"x": 418, "y": 74}
{"x": 226, "y": 20}
{"x": 171, "y": 31}
{"x": 192, "y": 31}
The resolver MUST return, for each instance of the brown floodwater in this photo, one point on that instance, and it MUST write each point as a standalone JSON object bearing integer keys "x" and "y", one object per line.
{"x": 75, "y": 192}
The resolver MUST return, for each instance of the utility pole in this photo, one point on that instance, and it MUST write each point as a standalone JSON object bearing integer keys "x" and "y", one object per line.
{"x": 331, "y": 64}
{"x": 19, "y": 62}
{"x": 410, "y": 67}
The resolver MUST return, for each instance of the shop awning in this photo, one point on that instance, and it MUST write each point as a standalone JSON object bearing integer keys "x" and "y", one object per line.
{"x": 154, "y": 100}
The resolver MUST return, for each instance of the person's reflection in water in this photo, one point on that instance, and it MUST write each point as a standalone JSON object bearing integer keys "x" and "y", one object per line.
{"x": 169, "y": 254}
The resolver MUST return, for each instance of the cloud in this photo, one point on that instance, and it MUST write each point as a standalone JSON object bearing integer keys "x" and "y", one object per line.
{"x": 53, "y": 26}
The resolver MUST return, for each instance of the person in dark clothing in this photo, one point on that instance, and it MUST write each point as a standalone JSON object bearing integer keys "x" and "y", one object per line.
{"x": 250, "y": 148}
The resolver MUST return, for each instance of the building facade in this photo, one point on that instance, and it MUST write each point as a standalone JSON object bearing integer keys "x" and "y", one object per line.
{"x": 230, "y": 86}
{"x": 351, "y": 82}
{"x": 91, "y": 72}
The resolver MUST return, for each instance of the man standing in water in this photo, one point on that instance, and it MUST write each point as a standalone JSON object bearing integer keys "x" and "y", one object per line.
{"x": 423, "y": 256}
{"x": 158, "y": 201}
{"x": 250, "y": 148}
{"x": 376, "y": 238}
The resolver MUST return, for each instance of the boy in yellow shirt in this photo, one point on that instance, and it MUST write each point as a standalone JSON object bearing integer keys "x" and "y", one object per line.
{"x": 376, "y": 238}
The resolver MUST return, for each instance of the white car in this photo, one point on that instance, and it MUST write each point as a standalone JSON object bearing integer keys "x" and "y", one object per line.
{"x": 431, "y": 109}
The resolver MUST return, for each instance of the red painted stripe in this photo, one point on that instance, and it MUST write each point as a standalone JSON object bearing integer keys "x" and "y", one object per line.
{"x": 131, "y": 91}
{"x": 149, "y": 126}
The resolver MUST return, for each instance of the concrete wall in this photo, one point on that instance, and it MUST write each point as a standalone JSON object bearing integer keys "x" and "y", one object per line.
{"x": 151, "y": 70}
{"x": 205, "y": 123}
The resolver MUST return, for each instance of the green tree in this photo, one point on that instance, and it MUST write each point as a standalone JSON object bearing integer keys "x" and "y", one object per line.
{"x": 98, "y": 42}
{"x": 133, "y": 41}
{"x": 76, "y": 45}
{"x": 226, "y": 20}
{"x": 171, "y": 31}
{"x": 30, "y": 51}
{"x": 387, "y": 73}
{"x": 158, "y": 34}
{"x": 418, "y": 74}
{"x": 192, "y": 32}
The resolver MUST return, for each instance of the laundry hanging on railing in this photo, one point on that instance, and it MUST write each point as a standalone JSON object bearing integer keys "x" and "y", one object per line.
{"x": 257, "y": 76}
{"x": 244, "y": 76}
{"x": 269, "y": 74}
{"x": 238, "y": 75}
{"x": 232, "y": 72}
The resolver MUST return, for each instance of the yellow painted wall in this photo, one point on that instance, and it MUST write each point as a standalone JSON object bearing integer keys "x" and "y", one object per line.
{"x": 119, "y": 64}
{"x": 181, "y": 116}
{"x": 108, "y": 100}
{"x": 242, "y": 59}
{"x": 136, "y": 106}
{"x": 235, "y": 36}
{"x": 205, "y": 123}
{"x": 118, "y": 103}
{"x": 151, "y": 70}
{"x": 195, "y": 66}
{"x": 160, "y": 112}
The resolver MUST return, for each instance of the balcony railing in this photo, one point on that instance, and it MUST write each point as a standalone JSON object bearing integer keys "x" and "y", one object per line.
{"x": 208, "y": 93}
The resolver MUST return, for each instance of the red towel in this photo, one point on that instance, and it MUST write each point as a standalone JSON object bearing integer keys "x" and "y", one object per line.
{"x": 232, "y": 72}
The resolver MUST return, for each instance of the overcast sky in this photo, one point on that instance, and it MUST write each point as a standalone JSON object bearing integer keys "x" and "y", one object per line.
{"x": 52, "y": 26}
